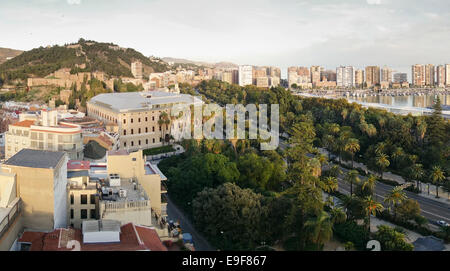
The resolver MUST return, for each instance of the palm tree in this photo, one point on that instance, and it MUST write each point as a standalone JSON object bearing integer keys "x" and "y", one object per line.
{"x": 320, "y": 228}
{"x": 352, "y": 177}
{"x": 395, "y": 197}
{"x": 382, "y": 162}
{"x": 163, "y": 121}
{"x": 330, "y": 184}
{"x": 437, "y": 176}
{"x": 338, "y": 215}
{"x": 328, "y": 142}
{"x": 370, "y": 183}
{"x": 352, "y": 146}
{"x": 371, "y": 207}
{"x": 416, "y": 173}
{"x": 397, "y": 156}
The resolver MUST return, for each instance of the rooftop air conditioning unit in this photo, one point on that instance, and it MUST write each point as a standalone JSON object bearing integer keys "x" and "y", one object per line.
{"x": 123, "y": 193}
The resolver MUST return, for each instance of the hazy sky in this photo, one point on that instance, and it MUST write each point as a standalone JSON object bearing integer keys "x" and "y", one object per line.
{"x": 282, "y": 33}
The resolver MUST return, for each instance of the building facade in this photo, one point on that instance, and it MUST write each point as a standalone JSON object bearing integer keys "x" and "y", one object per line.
{"x": 372, "y": 76}
{"x": 345, "y": 76}
{"x": 44, "y": 133}
{"x": 418, "y": 75}
{"x": 139, "y": 116}
{"x": 245, "y": 75}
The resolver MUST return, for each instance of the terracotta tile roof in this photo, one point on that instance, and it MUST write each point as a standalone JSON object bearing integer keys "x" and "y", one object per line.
{"x": 24, "y": 123}
{"x": 132, "y": 238}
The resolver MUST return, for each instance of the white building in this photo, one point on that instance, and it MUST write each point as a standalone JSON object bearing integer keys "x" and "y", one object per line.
{"x": 245, "y": 75}
{"x": 345, "y": 76}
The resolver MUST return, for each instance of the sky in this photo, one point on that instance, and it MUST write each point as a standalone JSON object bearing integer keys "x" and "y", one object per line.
{"x": 396, "y": 33}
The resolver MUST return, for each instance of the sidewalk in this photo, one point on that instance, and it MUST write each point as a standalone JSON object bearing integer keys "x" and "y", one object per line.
{"x": 411, "y": 236}
{"x": 444, "y": 197}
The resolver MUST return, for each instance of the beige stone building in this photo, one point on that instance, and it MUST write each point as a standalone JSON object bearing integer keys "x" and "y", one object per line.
{"x": 82, "y": 198}
{"x": 44, "y": 132}
{"x": 41, "y": 180}
{"x": 132, "y": 166}
{"x": 137, "y": 115}
{"x": 418, "y": 75}
{"x": 359, "y": 78}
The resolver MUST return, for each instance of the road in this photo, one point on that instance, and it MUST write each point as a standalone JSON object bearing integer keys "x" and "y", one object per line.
{"x": 175, "y": 214}
{"x": 430, "y": 209}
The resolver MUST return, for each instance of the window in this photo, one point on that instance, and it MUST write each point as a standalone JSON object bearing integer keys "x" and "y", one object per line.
{"x": 153, "y": 118}
{"x": 131, "y": 120}
{"x": 146, "y": 129}
{"x": 124, "y": 132}
{"x": 71, "y": 198}
{"x": 139, "y": 131}
{"x": 153, "y": 128}
{"x": 93, "y": 199}
{"x": 146, "y": 142}
{"x": 124, "y": 144}
{"x": 71, "y": 213}
{"x": 146, "y": 119}
{"x": 132, "y": 132}
{"x": 92, "y": 216}
{"x": 83, "y": 199}
{"x": 139, "y": 119}
{"x": 124, "y": 121}
{"x": 132, "y": 143}
{"x": 153, "y": 140}
{"x": 83, "y": 213}
{"x": 139, "y": 143}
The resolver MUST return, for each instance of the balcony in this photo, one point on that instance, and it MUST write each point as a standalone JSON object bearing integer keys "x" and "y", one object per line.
{"x": 9, "y": 215}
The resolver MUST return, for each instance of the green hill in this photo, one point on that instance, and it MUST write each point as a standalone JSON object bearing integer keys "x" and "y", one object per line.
{"x": 104, "y": 57}
{"x": 6, "y": 53}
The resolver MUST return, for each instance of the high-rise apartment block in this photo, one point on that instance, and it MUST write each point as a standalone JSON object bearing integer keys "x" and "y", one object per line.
{"x": 440, "y": 76}
{"x": 315, "y": 74}
{"x": 372, "y": 76}
{"x": 245, "y": 75}
{"x": 345, "y": 76}
{"x": 359, "y": 78}
{"x": 429, "y": 75}
{"x": 447, "y": 74}
{"x": 386, "y": 74}
{"x": 418, "y": 75}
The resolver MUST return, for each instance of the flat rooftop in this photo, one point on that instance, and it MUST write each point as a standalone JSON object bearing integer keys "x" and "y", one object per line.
{"x": 35, "y": 159}
{"x": 129, "y": 101}
{"x": 128, "y": 185}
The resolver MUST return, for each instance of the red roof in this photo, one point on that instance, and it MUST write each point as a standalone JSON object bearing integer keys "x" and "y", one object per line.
{"x": 78, "y": 165}
{"x": 24, "y": 123}
{"x": 132, "y": 238}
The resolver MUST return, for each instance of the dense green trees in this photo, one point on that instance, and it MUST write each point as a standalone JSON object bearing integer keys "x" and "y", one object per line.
{"x": 392, "y": 240}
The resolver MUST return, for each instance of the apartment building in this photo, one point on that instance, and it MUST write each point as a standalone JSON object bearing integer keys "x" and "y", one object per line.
{"x": 44, "y": 132}
{"x": 41, "y": 180}
{"x": 10, "y": 211}
{"x": 372, "y": 76}
{"x": 345, "y": 76}
{"x": 137, "y": 115}
{"x": 440, "y": 76}
{"x": 429, "y": 75}
{"x": 386, "y": 74}
{"x": 245, "y": 75}
{"x": 359, "y": 78}
{"x": 82, "y": 197}
{"x": 315, "y": 74}
{"x": 418, "y": 75}
{"x": 447, "y": 74}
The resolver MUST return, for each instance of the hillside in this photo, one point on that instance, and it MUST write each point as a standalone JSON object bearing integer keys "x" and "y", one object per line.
{"x": 200, "y": 63}
{"x": 6, "y": 53}
{"x": 84, "y": 56}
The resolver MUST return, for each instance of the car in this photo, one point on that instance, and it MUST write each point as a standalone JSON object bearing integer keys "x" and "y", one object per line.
{"x": 442, "y": 223}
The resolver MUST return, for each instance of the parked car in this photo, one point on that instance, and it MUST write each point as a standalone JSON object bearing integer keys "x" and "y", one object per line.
{"x": 442, "y": 223}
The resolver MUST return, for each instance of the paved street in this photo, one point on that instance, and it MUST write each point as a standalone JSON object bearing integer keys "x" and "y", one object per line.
{"x": 431, "y": 209}
{"x": 175, "y": 214}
